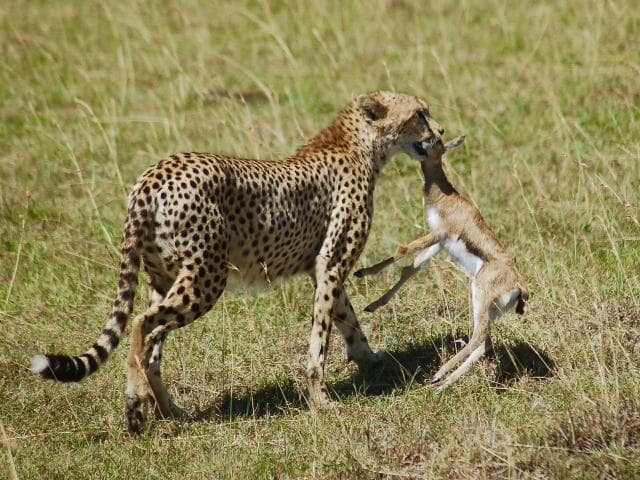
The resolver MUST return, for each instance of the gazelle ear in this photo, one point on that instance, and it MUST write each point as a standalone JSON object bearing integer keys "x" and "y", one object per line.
{"x": 371, "y": 107}
{"x": 455, "y": 143}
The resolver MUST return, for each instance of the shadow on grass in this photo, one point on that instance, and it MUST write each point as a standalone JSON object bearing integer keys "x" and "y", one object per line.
{"x": 413, "y": 364}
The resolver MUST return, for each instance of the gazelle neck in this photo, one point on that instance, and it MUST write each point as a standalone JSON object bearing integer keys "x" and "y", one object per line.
{"x": 436, "y": 184}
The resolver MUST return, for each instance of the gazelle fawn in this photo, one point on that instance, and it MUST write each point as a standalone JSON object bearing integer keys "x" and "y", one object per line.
{"x": 458, "y": 228}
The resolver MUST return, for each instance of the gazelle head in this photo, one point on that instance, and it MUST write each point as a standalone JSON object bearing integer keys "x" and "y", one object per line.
{"x": 435, "y": 148}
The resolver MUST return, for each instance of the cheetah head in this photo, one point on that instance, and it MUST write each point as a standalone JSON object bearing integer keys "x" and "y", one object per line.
{"x": 402, "y": 123}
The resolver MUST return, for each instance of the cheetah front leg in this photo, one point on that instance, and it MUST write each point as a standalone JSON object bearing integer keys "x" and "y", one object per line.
{"x": 331, "y": 302}
{"x": 320, "y": 331}
{"x": 343, "y": 243}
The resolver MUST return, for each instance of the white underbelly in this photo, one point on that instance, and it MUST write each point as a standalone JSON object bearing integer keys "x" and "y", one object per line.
{"x": 470, "y": 263}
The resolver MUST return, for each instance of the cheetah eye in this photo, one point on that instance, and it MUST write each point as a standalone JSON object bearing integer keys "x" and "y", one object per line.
{"x": 422, "y": 115}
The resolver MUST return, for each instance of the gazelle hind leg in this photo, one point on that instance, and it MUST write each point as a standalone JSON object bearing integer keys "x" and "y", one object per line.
{"x": 482, "y": 349}
{"x": 453, "y": 362}
{"x": 464, "y": 368}
{"x": 481, "y": 331}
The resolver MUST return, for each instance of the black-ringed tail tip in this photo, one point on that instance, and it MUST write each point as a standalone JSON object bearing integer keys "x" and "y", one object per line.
{"x": 40, "y": 364}
{"x": 63, "y": 368}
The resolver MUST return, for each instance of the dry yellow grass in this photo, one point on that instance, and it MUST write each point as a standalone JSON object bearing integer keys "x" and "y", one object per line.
{"x": 548, "y": 94}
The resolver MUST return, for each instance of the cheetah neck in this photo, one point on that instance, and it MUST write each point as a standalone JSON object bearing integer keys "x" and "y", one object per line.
{"x": 349, "y": 133}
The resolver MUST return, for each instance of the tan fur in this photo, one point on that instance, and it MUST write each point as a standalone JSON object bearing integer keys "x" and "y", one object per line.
{"x": 196, "y": 220}
{"x": 495, "y": 287}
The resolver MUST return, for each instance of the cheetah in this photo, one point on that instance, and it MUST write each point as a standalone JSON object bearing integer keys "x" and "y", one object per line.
{"x": 197, "y": 220}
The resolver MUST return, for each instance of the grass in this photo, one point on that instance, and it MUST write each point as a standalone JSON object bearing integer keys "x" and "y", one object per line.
{"x": 547, "y": 93}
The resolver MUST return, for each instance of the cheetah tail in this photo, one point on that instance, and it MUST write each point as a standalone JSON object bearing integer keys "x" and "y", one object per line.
{"x": 65, "y": 368}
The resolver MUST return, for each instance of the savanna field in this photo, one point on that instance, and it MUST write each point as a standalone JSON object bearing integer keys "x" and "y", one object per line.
{"x": 548, "y": 96}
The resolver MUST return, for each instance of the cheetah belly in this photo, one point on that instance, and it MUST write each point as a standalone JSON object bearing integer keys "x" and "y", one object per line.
{"x": 254, "y": 281}
{"x": 457, "y": 249}
{"x": 255, "y": 271}
{"x": 259, "y": 268}
{"x": 258, "y": 273}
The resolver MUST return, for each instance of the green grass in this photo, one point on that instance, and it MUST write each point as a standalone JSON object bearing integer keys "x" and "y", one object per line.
{"x": 92, "y": 93}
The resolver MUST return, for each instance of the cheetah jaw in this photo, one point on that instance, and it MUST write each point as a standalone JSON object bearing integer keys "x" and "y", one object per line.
{"x": 429, "y": 144}
{"x": 423, "y": 147}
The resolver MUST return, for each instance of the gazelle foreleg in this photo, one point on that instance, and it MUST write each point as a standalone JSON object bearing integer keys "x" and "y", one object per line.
{"x": 483, "y": 314}
{"x": 407, "y": 272}
{"x": 418, "y": 244}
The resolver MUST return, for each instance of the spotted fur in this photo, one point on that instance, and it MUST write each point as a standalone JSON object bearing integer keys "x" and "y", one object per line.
{"x": 197, "y": 220}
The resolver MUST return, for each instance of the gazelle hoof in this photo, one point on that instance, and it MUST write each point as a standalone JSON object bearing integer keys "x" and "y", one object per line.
{"x": 441, "y": 389}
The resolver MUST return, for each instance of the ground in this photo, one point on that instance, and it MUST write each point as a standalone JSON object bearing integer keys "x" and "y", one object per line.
{"x": 547, "y": 94}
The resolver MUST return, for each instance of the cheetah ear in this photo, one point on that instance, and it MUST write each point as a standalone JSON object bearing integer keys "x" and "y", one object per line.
{"x": 372, "y": 108}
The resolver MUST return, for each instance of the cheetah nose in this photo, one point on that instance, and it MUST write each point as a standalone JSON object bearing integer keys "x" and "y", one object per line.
{"x": 441, "y": 131}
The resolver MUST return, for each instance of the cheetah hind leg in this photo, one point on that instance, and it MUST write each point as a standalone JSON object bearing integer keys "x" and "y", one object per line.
{"x": 163, "y": 405}
{"x": 144, "y": 385}
{"x": 147, "y": 335}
